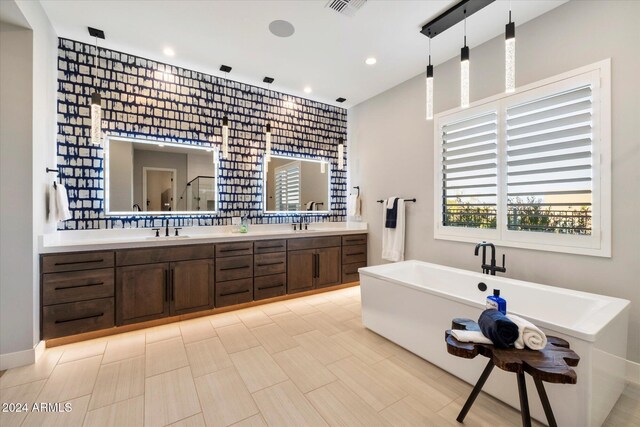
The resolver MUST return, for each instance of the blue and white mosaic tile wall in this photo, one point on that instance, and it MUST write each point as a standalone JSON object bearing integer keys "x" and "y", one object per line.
{"x": 148, "y": 99}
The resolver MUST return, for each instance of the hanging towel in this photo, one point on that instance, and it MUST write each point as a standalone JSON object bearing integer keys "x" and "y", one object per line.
{"x": 310, "y": 205}
{"x": 498, "y": 328}
{"x": 60, "y": 210}
{"x": 392, "y": 212}
{"x": 353, "y": 205}
{"x": 470, "y": 336}
{"x": 530, "y": 335}
{"x": 393, "y": 238}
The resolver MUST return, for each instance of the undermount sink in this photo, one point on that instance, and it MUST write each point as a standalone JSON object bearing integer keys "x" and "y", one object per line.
{"x": 167, "y": 237}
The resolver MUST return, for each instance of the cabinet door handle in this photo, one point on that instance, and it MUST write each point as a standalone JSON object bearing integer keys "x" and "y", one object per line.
{"x": 60, "y": 288}
{"x": 234, "y": 293}
{"x": 173, "y": 284}
{"x": 356, "y": 253}
{"x": 79, "y": 318}
{"x": 235, "y": 268}
{"x": 270, "y": 263}
{"x": 270, "y": 287}
{"x": 313, "y": 265}
{"x": 166, "y": 285}
{"x": 80, "y": 262}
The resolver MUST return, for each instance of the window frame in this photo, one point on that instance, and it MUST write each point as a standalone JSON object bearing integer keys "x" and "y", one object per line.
{"x": 599, "y": 242}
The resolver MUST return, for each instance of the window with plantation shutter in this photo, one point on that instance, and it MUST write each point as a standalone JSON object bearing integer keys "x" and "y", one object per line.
{"x": 549, "y": 156}
{"x": 469, "y": 172}
{"x": 287, "y": 187}
{"x": 530, "y": 169}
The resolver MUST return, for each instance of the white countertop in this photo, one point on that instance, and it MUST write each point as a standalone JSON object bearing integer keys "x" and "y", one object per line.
{"x": 108, "y": 239}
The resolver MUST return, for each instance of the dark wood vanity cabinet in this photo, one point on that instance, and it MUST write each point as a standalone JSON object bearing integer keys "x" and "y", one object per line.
{"x": 150, "y": 290}
{"x": 354, "y": 256}
{"x": 313, "y": 263}
{"x": 77, "y": 293}
{"x": 87, "y": 291}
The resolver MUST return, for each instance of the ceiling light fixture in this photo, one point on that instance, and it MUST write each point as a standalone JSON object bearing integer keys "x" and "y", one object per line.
{"x": 307, "y": 89}
{"x": 341, "y": 100}
{"x": 464, "y": 69}
{"x": 370, "y": 61}
{"x": 168, "y": 51}
{"x": 281, "y": 28}
{"x": 510, "y": 55}
{"x": 225, "y": 120}
{"x": 96, "y": 99}
{"x": 429, "y": 86}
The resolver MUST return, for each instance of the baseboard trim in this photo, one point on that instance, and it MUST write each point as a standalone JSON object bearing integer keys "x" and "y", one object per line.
{"x": 633, "y": 372}
{"x": 22, "y": 358}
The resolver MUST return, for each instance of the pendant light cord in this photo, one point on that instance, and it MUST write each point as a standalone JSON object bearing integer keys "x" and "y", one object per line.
{"x": 95, "y": 64}
{"x": 509, "y": 11}
{"x": 429, "y": 50}
{"x": 465, "y": 28}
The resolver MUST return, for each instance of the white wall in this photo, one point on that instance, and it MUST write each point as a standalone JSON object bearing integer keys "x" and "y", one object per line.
{"x": 388, "y": 133}
{"x": 27, "y": 142}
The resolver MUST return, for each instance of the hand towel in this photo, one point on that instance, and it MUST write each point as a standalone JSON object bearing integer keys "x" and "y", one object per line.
{"x": 393, "y": 238}
{"x": 392, "y": 212}
{"x": 498, "y": 328}
{"x": 470, "y": 336}
{"x": 353, "y": 205}
{"x": 529, "y": 334}
{"x": 310, "y": 205}
{"x": 62, "y": 212}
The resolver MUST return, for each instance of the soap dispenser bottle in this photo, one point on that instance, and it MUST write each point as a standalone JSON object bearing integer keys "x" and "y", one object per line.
{"x": 496, "y": 302}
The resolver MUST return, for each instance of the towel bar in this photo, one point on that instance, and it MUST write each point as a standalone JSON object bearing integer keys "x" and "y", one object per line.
{"x": 406, "y": 200}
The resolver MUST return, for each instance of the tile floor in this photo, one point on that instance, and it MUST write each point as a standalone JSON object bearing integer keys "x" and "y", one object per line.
{"x": 303, "y": 362}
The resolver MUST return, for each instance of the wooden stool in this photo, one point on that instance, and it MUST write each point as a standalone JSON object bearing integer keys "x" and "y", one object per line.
{"x": 551, "y": 364}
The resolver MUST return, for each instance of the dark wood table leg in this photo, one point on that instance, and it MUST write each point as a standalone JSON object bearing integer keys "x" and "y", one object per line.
{"x": 476, "y": 390}
{"x": 524, "y": 401}
{"x": 545, "y": 403}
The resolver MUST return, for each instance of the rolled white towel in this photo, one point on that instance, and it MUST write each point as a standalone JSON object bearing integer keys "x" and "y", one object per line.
{"x": 530, "y": 335}
{"x": 470, "y": 336}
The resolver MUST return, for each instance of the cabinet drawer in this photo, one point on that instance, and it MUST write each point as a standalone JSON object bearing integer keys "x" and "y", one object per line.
{"x": 234, "y": 249}
{"x": 313, "y": 242}
{"x": 77, "y": 317}
{"x": 72, "y": 286}
{"x": 273, "y": 263}
{"x": 266, "y": 246}
{"x": 232, "y": 268}
{"x": 355, "y": 253}
{"x": 76, "y": 261}
{"x": 234, "y": 292}
{"x": 354, "y": 239}
{"x": 269, "y": 286}
{"x": 350, "y": 272}
{"x": 168, "y": 254}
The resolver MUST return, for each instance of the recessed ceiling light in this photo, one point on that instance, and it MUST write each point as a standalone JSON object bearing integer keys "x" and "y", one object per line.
{"x": 168, "y": 51}
{"x": 307, "y": 89}
{"x": 281, "y": 28}
{"x": 370, "y": 61}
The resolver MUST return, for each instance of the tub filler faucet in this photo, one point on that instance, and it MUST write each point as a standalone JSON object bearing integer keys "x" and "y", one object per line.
{"x": 490, "y": 268}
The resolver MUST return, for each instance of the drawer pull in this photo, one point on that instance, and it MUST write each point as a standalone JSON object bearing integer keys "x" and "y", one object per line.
{"x": 271, "y": 287}
{"x": 234, "y": 293}
{"x": 235, "y": 268}
{"x": 80, "y": 262}
{"x": 234, "y": 250}
{"x": 60, "y": 288}
{"x": 271, "y": 247}
{"x": 270, "y": 263}
{"x": 79, "y": 318}
{"x": 355, "y": 253}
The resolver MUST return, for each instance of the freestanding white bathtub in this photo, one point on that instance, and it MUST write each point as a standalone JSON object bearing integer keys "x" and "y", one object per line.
{"x": 412, "y": 303}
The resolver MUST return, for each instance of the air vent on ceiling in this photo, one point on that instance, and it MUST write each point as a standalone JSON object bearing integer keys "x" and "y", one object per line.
{"x": 345, "y": 7}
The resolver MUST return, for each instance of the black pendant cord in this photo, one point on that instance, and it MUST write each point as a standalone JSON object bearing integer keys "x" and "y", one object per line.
{"x": 465, "y": 28}
{"x": 95, "y": 66}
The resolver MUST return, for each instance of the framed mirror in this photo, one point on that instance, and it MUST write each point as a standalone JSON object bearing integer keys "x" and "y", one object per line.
{"x": 146, "y": 177}
{"x": 296, "y": 185}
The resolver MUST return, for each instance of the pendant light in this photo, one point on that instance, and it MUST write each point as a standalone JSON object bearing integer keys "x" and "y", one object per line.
{"x": 340, "y": 154}
{"x": 510, "y": 55}
{"x": 464, "y": 69}
{"x": 225, "y": 119}
{"x": 267, "y": 148}
{"x": 429, "y": 86}
{"x": 96, "y": 104}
